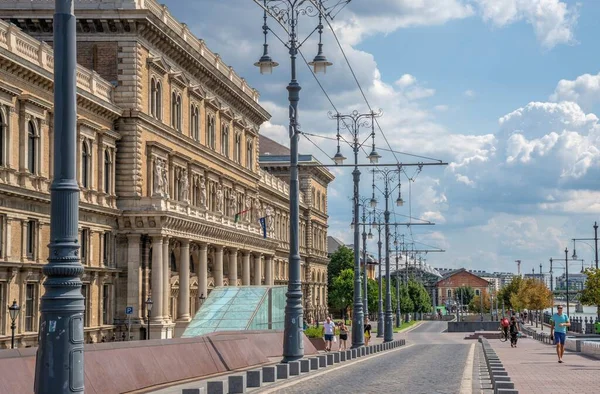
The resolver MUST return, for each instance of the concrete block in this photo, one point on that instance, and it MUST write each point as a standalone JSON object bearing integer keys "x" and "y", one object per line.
{"x": 329, "y": 358}
{"x": 217, "y": 387}
{"x": 322, "y": 360}
{"x": 193, "y": 391}
{"x": 304, "y": 365}
{"x": 353, "y": 352}
{"x": 367, "y": 350}
{"x": 268, "y": 374}
{"x": 496, "y": 378}
{"x": 363, "y": 351}
{"x": 294, "y": 368}
{"x": 506, "y": 391}
{"x": 348, "y": 354}
{"x": 504, "y": 385}
{"x": 498, "y": 373}
{"x": 283, "y": 371}
{"x": 254, "y": 378}
{"x": 336, "y": 357}
{"x": 237, "y": 384}
{"x": 314, "y": 363}
{"x": 342, "y": 356}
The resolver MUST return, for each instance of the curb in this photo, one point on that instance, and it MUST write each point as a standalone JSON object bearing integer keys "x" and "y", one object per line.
{"x": 253, "y": 379}
{"x": 501, "y": 382}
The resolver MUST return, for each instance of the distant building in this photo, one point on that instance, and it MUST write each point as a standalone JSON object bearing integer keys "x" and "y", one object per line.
{"x": 453, "y": 279}
{"x": 576, "y": 282}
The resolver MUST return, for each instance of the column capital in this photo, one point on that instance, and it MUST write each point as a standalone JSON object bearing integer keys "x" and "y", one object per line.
{"x": 219, "y": 248}
{"x": 157, "y": 238}
{"x": 133, "y": 237}
{"x": 184, "y": 242}
{"x": 257, "y": 255}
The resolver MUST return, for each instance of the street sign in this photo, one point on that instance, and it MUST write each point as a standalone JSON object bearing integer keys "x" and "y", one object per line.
{"x": 129, "y": 310}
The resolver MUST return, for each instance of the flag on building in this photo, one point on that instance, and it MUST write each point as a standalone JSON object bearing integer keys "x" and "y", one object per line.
{"x": 238, "y": 216}
{"x": 263, "y": 225}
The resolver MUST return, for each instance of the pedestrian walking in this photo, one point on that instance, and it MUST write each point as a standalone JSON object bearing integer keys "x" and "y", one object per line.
{"x": 329, "y": 331}
{"x": 343, "y": 336}
{"x": 558, "y": 331}
{"x": 514, "y": 331}
{"x": 367, "y": 331}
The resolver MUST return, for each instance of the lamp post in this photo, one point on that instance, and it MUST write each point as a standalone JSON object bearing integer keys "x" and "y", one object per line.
{"x": 595, "y": 239}
{"x": 398, "y": 311}
{"x": 552, "y": 286}
{"x": 380, "y": 316}
{"x": 353, "y": 122}
{"x": 363, "y": 203}
{"x": 201, "y": 299}
{"x": 317, "y": 310}
{"x": 567, "y": 277}
{"x": 287, "y": 15}
{"x": 60, "y": 358}
{"x": 13, "y": 311}
{"x": 148, "y": 309}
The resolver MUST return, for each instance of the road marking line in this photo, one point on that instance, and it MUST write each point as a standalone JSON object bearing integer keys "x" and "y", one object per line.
{"x": 467, "y": 380}
{"x": 312, "y": 375}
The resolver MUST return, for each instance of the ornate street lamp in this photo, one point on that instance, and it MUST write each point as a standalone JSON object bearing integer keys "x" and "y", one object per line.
{"x": 13, "y": 311}
{"x": 149, "y": 309}
{"x": 202, "y": 299}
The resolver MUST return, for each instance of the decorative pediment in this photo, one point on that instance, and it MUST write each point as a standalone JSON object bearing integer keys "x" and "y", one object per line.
{"x": 227, "y": 112}
{"x": 252, "y": 130}
{"x": 89, "y": 125}
{"x": 158, "y": 64}
{"x": 240, "y": 121}
{"x": 198, "y": 91}
{"x": 38, "y": 102}
{"x": 158, "y": 149}
{"x": 178, "y": 78}
{"x": 213, "y": 102}
{"x": 11, "y": 90}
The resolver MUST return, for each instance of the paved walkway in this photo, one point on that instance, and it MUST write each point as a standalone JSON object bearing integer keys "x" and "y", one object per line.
{"x": 533, "y": 367}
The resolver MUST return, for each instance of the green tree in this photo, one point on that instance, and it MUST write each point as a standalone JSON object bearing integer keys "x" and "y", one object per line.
{"x": 419, "y": 297}
{"x": 406, "y": 303}
{"x": 591, "y": 293}
{"x": 467, "y": 293}
{"x": 475, "y": 304}
{"x": 342, "y": 259}
{"x": 507, "y": 292}
{"x": 373, "y": 296}
{"x": 341, "y": 291}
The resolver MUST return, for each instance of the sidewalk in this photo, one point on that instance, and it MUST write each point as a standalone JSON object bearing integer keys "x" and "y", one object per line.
{"x": 534, "y": 368}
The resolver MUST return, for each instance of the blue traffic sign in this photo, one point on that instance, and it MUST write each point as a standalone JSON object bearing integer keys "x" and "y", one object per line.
{"x": 129, "y": 310}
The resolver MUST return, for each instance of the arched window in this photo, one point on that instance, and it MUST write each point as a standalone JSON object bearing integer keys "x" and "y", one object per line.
{"x": 238, "y": 148}
{"x": 3, "y": 141}
{"x": 85, "y": 165}
{"x": 107, "y": 172}
{"x": 31, "y": 148}
{"x": 158, "y": 101}
{"x": 173, "y": 262}
{"x": 176, "y": 111}
{"x": 449, "y": 293}
{"x": 225, "y": 141}
{"x": 249, "y": 155}
{"x": 210, "y": 137}
{"x": 153, "y": 97}
{"x": 195, "y": 123}
{"x": 192, "y": 265}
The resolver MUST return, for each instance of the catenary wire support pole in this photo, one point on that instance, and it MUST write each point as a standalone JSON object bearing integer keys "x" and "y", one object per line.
{"x": 380, "y": 314}
{"x": 59, "y": 358}
{"x": 398, "y": 311}
{"x": 288, "y": 14}
{"x": 363, "y": 203}
{"x": 353, "y": 122}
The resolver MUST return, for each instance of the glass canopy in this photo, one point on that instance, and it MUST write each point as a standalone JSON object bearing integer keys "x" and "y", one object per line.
{"x": 239, "y": 308}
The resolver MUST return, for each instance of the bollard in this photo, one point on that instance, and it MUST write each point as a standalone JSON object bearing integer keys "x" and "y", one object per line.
{"x": 322, "y": 360}
{"x": 254, "y": 378}
{"x": 367, "y": 350}
{"x": 237, "y": 384}
{"x": 348, "y": 354}
{"x": 283, "y": 371}
{"x": 504, "y": 385}
{"x": 314, "y": 363}
{"x": 354, "y": 353}
{"x": 329, "y": 358}
{"x": 342, "y": 356}
{"x": 216, "y": 387}
{"x": 193, "y": 391}
{"x": 268, "y": 374}
{"x": 336, "y": 357}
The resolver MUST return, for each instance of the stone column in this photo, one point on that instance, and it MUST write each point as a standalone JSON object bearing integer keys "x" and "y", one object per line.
{"x": 246, "y": 268}
{"x": 183, "y": 302}
{"x": 166, "y": 279}
{"x": 233, "y": 275}
{"x": 269, "y": 270}
{"x": 218, "y": 267}
{"x": 203, "y": 271}
{"x": 257, "y": 269}
{"x": 157, "y": 279}
{"x": 133, "y": 275}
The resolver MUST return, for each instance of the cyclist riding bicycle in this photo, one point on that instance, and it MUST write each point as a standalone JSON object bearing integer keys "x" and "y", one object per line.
{"x": 504, "y": 324}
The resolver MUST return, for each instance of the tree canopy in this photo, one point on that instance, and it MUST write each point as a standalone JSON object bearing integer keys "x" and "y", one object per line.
{"x": 465, "y": 294}
{"x": 341, "y": 290}
{"x": 508, "y": 294}
{"x": 342, "y": 259}
{"x": 591, "y": 293}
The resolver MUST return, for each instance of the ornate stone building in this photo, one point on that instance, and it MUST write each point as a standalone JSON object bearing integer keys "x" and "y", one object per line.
{"x": 172, "y": 180}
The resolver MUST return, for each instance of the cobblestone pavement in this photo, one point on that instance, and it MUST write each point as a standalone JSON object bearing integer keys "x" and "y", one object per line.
{"x": 533, "y": 367}
{"x": 431, "y": 363}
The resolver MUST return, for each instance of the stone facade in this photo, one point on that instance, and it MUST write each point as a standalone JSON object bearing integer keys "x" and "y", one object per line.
{"x": 172, "y": 182}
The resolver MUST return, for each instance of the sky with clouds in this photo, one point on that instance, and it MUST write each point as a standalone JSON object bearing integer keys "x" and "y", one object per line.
{"x": 506, "y": 91}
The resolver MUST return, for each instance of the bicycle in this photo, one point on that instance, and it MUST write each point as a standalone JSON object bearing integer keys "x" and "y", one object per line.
{"x": 503, "y": 335}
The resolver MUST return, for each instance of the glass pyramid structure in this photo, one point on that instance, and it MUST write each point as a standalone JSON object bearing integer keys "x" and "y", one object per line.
{"x": 239, "y": 308}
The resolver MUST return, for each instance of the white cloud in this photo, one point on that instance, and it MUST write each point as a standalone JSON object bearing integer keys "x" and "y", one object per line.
{"x": 441, "y": 108}
{"x": 584, "y": 90}
{"x": 405, "y": 81}
{"x": 553, "y": 21}
{"x": 470, "y": 93}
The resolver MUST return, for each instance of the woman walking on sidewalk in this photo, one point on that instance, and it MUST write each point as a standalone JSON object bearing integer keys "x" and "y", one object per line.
{"x": 514, "y": 331}
{"x": 367, "y": 331}
{"x": 343, "y": 336}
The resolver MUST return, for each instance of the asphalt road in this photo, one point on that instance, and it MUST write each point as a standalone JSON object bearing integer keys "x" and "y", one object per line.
{"x": 430, "y": 363}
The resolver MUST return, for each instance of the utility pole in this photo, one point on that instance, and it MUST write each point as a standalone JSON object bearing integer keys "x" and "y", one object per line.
{"x": 59, "y": 359}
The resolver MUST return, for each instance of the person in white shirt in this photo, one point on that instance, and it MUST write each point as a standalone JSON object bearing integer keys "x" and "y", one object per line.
{"x": 329, "y": 331}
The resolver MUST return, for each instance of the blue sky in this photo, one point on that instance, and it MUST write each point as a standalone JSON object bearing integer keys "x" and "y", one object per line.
{"x": 506, "y": 91}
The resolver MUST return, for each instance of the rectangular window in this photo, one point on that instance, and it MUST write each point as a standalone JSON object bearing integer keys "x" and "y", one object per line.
{"x": 31, "y": 238}
{"x": 2, "y": 230}
{"x": 105, "y": 303}
{"x": 30, "y": 304}
{"x": 2, "y": 315}
{"x": 84, "y": 236}
{"x": 106, "y": 248}
{"x": 85, "y": 292}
